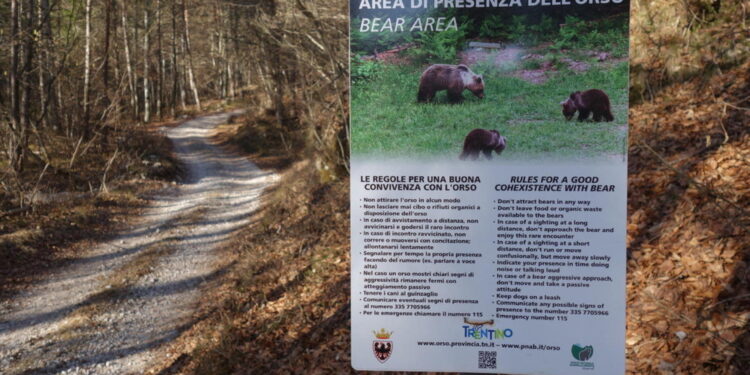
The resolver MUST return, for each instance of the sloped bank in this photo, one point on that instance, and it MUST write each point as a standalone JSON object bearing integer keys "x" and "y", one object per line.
{"x": 286, "y": 309}
{"x": 285, "y": 305}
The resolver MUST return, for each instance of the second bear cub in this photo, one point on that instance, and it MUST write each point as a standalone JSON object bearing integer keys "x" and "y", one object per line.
{"x": 590, "y": 101}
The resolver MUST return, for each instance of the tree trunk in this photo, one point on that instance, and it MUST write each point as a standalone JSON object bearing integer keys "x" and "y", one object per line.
{"x": 87, "y": 72}
{"x": 14, "y": 91}
{"x": 128, "y": 64}
{"x": 43, "y": 50}
{"x": 175, "y": 73}
{"x": 15, "y": 140}
{"x": 160, "y": 58}
{"x": 136, "y": 42}
{"x": 186, "y": 39}
{"x": 26, "y": 77}
{"x": 107, "y": 27}
{"x": 146, "y": 98}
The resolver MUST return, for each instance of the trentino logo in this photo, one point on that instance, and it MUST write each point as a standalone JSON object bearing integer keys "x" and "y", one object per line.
{"x": 582, "y": 354}
{"x": 476, "y": 330}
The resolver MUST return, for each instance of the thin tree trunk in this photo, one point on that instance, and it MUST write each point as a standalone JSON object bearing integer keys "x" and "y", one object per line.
{"x": 46, "y": 64}
{"x": 175, "y": 73}
{"x": 186, "y": 37}
{"x": 146, "y": 99}
{"x": 87, "y": 72}
{"x": 107, "y": 27}
{"x": 136, "y": 43}
{"x": 230, "y": 79}
{"x": 67, "y": 128}
{"x": 35, "y": 20}
{"x": 14, "y": 146}
{"x": 26, "y": 77}
{"x": 183, "y": 83}
{"x": 128, "y": 64}
{"x": 43, "y": 50}
{"x": 14, "y": 91}
{"x": 160, "y": 58}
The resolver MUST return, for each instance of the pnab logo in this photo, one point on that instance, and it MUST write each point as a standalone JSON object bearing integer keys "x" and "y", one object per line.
{"x": 475, "y": 329}
{"x": 582, "y": 354}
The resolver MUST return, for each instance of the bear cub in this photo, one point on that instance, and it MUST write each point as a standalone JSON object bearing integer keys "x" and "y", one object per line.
{"x": 590, "y": 101}
{"x": 482, "y": 140}
{"x": 453, "y": 78}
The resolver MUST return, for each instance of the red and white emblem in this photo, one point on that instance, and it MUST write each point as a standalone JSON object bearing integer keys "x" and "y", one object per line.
{"x": 382, "y": 350}
{"x": 382, "y": 347}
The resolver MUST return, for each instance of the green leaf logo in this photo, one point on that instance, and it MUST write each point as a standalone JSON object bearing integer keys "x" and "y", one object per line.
{"x": 582, "y": 353}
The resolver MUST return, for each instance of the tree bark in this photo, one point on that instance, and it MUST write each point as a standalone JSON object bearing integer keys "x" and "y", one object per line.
{"x": 146, "y": 98}
{"x": 87, "y": 72}
{"x": 128, "y": 63}
{"x": 107, "y": 37}
{"x": 14, "y": 146}
{"x": 160, "y": 58}
{"x": 175, "y": 73}
{"x": 186, "y": 38}
{"x": 26, "y": 79}
{"x": 14, "y": 91}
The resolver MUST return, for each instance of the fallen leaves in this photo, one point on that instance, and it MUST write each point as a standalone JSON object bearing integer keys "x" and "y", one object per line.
{"x": 688, "y": 283}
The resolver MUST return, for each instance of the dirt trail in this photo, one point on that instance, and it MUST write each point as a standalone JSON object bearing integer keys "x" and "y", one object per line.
{"x": 110, "y": 311}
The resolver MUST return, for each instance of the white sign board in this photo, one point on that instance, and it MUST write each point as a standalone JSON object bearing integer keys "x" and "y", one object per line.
{"x": 488, "y": 186}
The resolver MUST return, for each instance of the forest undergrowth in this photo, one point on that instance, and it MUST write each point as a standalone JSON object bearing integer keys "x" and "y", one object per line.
{"x": 287, "y": 306}
{"x": 60, "y": 212}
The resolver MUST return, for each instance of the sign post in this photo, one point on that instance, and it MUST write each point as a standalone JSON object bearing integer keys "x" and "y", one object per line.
{"x": 489, "y": 185}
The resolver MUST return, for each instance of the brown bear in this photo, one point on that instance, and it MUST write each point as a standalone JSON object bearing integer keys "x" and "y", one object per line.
{"x": 482, "y": 140}
{"x": 454, "y": 78}
{"x": 586, "y": 102}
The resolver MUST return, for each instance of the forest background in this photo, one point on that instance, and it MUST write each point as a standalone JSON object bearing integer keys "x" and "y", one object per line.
{"x": 86, "y": 82}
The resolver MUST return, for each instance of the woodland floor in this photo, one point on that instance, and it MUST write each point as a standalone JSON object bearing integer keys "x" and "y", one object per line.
{"x": 118, "y": 303}
{"x": 285, "y": 308}
{"x": 282, "y": 305}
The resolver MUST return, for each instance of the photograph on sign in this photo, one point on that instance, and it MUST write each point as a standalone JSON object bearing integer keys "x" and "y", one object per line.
{"x": 489, "y": 185}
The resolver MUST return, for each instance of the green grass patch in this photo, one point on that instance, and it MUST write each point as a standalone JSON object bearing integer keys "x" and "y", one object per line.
{"x": 388, "y": 121}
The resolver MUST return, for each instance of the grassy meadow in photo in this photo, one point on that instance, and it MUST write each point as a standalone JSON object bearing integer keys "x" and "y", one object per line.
{"x": 530, "y": 63}
{"x": 387, "y": 120}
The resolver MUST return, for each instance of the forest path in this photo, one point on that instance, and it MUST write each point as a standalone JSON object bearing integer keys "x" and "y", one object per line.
{"x": 111, "y": 310}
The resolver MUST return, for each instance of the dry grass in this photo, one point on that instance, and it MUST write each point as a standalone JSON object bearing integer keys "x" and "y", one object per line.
{"x": 71, "y": 208}
{"x": 285, "y": 308}
{"x": 688, "y": 285}
{"x": 285, "y": 304}
{"x": 259, "y": 136}
{"x": 675, "y": 40}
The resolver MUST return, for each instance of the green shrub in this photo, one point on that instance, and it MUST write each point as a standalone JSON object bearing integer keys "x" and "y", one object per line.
{"x": 363, "y": 43}
{"x": 545, "y": 30}
{"x": 569, "y": 33}
{"x": 519, "y": 31}
{"x": 367, "y": 43}
{"x": 440, "y": 47}
{"x": 493, "y": 27}
{"x": 364, "y": 70}
{"x": 607, "y": 35}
